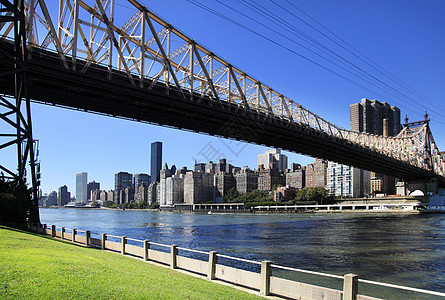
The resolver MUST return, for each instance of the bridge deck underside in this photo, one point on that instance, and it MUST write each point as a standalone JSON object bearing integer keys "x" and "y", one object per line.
{"x": 92, "y": 91}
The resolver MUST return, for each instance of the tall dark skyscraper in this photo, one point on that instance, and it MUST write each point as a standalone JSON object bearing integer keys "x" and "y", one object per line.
{"x": 63, "y": 197}
{"x": 156, "y": 161}
{"x": 122, "y": 180}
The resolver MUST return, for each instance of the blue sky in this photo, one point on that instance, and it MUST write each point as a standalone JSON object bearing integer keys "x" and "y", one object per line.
{"x": 403, "y": 37}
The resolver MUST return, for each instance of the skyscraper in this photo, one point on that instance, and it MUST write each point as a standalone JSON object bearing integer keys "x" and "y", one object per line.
{"x": 81, "y": 187}
{"x": 140, "y": 179}
{"x": 343, "y": 180}
{"x": 92, "y": 186}
{"x": 273, "y": 156}
{"x": 122, "y": 180}
{"x": 315, "y": 174}
{"x": 156, "y": 161}
{"x": 368, "y": 116}
{"x": 63, "y": 197}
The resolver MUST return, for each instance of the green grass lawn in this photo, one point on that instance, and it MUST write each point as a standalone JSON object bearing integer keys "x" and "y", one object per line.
{"x": 39, "y": 267}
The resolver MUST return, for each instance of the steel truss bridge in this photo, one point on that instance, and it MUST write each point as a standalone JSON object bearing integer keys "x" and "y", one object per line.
{"x": 148, "y": 71}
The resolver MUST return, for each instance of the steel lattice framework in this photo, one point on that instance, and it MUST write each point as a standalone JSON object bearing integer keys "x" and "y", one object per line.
{"x": 16, "y": 111}
{"x": 151, "y": 51}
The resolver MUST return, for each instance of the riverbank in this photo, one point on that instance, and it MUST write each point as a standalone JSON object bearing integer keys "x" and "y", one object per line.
{"x": 38, "y": 267}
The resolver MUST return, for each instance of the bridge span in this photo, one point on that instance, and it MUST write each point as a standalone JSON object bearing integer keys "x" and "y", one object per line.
{"x": 50, "y": 83}
{"x": 148, "y": 71}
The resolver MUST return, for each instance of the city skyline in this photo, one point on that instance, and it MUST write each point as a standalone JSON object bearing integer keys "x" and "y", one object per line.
{"x": 134, "y": 176}
{"x": 122, "y": 145}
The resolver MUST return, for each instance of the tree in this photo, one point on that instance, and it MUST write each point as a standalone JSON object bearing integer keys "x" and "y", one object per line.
{"x": 318, "y": 194}
{"x": 231, "y": 195}
{"x": 15, "y": 201}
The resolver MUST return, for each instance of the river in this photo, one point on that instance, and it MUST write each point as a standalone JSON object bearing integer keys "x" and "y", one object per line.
{"x": 405, "y": 249}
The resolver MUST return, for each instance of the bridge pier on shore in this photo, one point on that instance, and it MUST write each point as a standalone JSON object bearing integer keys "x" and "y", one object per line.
{"x": 427, "y": 187}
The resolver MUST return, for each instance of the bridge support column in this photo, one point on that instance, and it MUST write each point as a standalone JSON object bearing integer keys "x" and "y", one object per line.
{"x": 427, "y": 186}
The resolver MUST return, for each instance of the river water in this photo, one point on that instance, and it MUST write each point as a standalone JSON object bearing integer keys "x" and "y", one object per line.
{"x": 405, "y": 249}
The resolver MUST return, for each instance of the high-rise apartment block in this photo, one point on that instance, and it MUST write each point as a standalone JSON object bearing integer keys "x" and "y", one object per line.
{"x": 296, "y": 176}
{"x": 156, "y": 161}
{"x": 166, "y": 172}
{"x": 270, "y": 177}
{"x": 51, "y": 199}
{"x": 103, "y": 196}
{"x": 122, "y": 180}
{"x": 93, "y": 186}
{"x": 316, "y": 173}
{"x": 81, "y": 187}
{"x": 141, "y": 179}
{"x": 140, "y": 193}
{"x": 246, "y": 180}
{"x": 63, "y": 197}
{"x": 152, "y": 193}
{"x": 110, "y": 195}
{"x": 378, "y": 118}
{"x": 198, "y": 187}
{"x": 346, "y": 181}
{"x": 199, "y": 167}
{"x": 223, "y": 182}
{"x": 273, "y": 157}
{"x": 368, "y": 115}
{"x": 95, "y": 195}
{"x": 172, "y": 190}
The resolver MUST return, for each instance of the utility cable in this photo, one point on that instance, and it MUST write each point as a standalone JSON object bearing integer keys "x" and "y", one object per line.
{"x": 195, "y": 2}
{"x": 366, "y": 59}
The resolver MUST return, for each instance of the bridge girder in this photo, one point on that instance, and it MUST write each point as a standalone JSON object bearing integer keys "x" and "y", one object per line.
{"x": 147, "y": 53}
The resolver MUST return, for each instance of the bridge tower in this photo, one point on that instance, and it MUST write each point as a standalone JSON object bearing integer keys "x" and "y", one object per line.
{"x": 15, "y": 111}
{"x": 430, "y": 186}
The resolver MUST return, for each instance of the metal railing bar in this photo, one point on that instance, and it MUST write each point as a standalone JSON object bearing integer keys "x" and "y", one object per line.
{"x": 401, "y": 287}
{"x": 114, "y": 236}
{"x": 161, "y": 245}
{"x": 239, "y": 259}
{"x": 191, "y": 250}
{"x": 135, "y": 240}
{"x": 308, "y": 272}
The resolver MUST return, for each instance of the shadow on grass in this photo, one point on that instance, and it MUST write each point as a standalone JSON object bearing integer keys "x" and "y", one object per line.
{"x": 12, "y": 227}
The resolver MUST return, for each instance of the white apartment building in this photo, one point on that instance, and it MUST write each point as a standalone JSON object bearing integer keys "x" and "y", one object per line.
{"x": 347, "y": 181}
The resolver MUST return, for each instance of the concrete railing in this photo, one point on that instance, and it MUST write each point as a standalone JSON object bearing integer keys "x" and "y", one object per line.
{"x": 210, "y": 265}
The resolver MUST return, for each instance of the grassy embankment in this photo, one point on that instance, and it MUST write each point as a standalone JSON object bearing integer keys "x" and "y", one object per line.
{"x": 38, "y": 267}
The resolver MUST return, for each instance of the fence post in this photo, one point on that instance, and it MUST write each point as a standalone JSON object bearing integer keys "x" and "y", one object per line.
{"x": 44, "y": 229}
{"x": 87, "y": 238}
{"x": 53, "y": 230}
{"x": 266, "y": 272}
{"x": 146, "y": 249}
{"x": 62, "y": 232}
{"x": 104, "y": 238}
{"x": 213, "y": 260}
{"x": 174, "y": 253}
{"x": 73, "y": 238}
{"x": 123, "y": 242}
{"x": 350, "y": 287}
